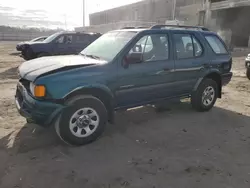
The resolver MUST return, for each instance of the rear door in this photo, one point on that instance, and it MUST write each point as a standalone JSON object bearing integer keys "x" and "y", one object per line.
{"x": 220, "y": 58}
{"x": 190, "y": 60}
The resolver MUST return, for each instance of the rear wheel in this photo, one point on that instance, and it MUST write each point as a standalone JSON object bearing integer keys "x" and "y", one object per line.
{"x": 83, "y": 121}
{"x": 248, "y": 73}
{"x": 204, "y": 98}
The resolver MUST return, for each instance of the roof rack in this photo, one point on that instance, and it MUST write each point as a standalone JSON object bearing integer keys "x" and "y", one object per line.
{"x": 87, "y": 32}
{"x": 128, "y": 28}
{"x": 142, "y": 27}
{"x": 180, "y": 26}
{"x": 139, "y": 27}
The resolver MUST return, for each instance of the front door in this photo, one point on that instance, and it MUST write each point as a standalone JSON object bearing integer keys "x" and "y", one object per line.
{"x": 64, "y": 45}
{"x": 146, "y": 73}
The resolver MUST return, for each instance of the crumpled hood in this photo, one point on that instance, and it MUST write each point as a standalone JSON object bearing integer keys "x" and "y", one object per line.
{"x": 30, "y": 42}
{"x": 32, "y": 69}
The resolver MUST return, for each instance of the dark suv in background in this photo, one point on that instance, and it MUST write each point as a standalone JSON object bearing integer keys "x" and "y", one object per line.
{"x": 21, "y": 45}
{"x": 120, "y": 70}
{"x": 61, "y": 43}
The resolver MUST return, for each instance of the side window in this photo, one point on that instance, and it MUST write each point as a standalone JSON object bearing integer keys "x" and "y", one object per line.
{"x": 149, "y": 45}
{"x": 197, "y": 48}
{"x": 138, "y": 47}
{"x": 64, "y": 39}
{"x": 68, "y": 39}
{"x": 187, "y": 46}
{"x": 60, "y": 40}
{"x": 184, "y": 46}
{"x": 156, "y": 48}
{"x": 149, "y": 48}
{"x": 78, "y": 39}
{"x": 83, "y": 38}
{"x": 135, "y": 55}
{"x": 215, "y": 43}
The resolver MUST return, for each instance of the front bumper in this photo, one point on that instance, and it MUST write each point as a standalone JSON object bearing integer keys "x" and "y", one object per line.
{"x": 19, "y": 47}
{"x": 39, "y": 112}
{"x": 226, "y": 78}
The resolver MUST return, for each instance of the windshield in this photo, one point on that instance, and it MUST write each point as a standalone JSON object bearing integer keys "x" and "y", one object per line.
{"x": 51, "y": 38}
{"x": 109, "y": 45}
{"x": 38, "y": 39}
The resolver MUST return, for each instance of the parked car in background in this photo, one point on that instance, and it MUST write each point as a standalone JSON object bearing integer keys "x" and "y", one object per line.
{"x": 61, "y": 43}
{"x": 247, "y": 64}
{"x": 20, "y": 46}
{"x": 120, "y": 70}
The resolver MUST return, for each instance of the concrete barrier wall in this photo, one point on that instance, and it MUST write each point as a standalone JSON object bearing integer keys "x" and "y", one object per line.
{"x": 4, "y": 36}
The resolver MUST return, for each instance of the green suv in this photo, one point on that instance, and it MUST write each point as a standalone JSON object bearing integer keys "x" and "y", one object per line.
{"x": 79, "y": 94}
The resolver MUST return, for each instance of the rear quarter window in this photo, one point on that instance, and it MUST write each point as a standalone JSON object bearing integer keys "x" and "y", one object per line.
{"x": 81, "y": 38}
{"x": 216, "y": 44}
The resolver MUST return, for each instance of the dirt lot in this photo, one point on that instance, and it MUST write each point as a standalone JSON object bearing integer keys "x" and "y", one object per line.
{"x": 179, "y": 148}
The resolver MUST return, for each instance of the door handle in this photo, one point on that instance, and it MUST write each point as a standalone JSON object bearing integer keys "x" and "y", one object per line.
{"x": 164, "y": 71}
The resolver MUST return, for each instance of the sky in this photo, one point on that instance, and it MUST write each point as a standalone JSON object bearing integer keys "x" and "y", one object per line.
{"x": 53, "y": 14}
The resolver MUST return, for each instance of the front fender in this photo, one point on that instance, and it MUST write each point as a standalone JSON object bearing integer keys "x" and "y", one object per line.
{"x": 87, "y": 87}
{"x": 40, "y": 48}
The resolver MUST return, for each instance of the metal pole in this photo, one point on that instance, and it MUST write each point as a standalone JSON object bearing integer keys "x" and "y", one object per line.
{"x": 174, "y": 8}
{"x": 207, "y": 13}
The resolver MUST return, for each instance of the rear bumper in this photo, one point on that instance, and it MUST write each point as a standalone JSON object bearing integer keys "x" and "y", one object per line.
{"x": 226, "y": 78}
{"x": 35, "y": 111}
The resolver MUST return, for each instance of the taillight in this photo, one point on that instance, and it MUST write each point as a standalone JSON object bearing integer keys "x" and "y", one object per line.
{"x": 227, "y": 65}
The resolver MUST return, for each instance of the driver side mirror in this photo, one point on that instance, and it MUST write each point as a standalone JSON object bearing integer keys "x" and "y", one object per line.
{"x": 56, "y": 42}
{"x": 125, "y": 63}
{"x": 131, "y": 58}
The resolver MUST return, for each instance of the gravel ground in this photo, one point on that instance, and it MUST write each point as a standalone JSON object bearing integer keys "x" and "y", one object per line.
{"x": 178, "y": 148}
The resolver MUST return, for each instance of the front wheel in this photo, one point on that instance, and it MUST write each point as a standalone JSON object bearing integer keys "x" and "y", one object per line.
{"x": 204, "y": 98}
{"x": 83, "y": 121}
{"x": 248, "y": 73}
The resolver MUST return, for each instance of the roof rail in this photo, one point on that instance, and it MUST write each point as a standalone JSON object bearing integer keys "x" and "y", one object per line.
{"x": 87, "y": 32}
{"x": 138, "y": 27}
{"x": 128, "y": 28}
{"x": 142, "y": 27}
{"x": 180, "y": 26}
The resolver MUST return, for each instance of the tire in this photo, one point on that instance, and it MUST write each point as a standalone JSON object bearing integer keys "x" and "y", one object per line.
{"x": 84, "y": 129}
{"x": 248, "y": 73}
{"x": 211, "y": 88}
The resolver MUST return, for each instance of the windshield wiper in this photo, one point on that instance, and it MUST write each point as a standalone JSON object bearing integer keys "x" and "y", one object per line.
{"x": 91, "y": 56}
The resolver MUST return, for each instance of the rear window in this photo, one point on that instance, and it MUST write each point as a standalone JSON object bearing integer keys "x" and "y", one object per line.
{"x": 216, "y": 44}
